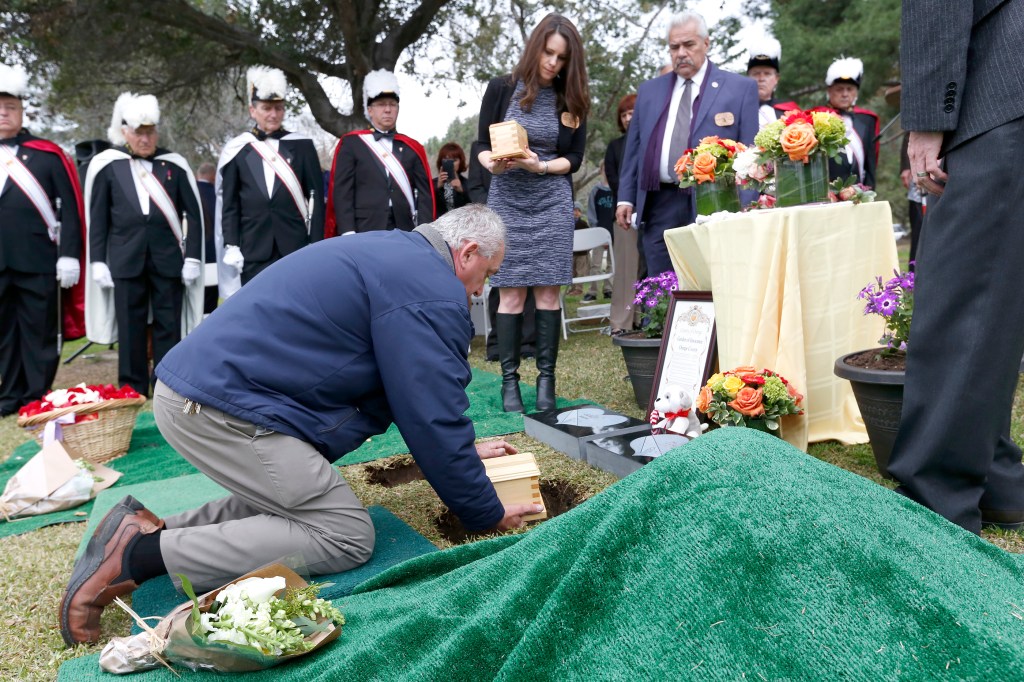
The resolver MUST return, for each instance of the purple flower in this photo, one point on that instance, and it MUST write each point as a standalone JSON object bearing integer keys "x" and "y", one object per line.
{"x": 886, "y": 303}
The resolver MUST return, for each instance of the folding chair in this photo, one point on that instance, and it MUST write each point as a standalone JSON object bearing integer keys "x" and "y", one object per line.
{"x": 584, "y": 241}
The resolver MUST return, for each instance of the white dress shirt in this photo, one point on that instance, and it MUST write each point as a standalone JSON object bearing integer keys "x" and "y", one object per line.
{"x": 670, "y": 123}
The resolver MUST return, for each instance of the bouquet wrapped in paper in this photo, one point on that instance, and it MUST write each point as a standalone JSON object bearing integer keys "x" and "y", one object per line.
{"x": 260, "y": 620}
{"x": 53, "y": 481}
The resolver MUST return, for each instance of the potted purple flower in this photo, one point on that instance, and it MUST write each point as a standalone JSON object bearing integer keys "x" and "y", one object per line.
{"x": 640, "y": 349}
{"x": 876, "y": 375}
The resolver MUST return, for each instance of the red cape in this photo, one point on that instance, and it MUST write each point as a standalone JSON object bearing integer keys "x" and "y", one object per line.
{"x": 330, "y": 224}
{"x": 74, "y": 299}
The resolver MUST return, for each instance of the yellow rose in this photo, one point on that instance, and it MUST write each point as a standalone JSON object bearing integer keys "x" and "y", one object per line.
{"x": 715, "y": 382}
{"x": 732, "y": 385}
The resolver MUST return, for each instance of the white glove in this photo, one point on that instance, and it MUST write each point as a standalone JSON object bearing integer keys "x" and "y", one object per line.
{"x": 190, "y": 271}
{"x": 101, "y": 275}
{"x": 68, "y": 271}
{"x": 233, "y": 258}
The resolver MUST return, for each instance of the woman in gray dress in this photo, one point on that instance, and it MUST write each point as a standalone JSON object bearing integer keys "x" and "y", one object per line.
{"x": 547, "y": 94}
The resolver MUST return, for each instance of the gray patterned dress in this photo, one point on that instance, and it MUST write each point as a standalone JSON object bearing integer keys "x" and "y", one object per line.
{"x": 537, "y": 209}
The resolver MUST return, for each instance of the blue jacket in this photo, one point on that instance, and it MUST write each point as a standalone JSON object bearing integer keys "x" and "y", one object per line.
{"x": 337, "y": 340}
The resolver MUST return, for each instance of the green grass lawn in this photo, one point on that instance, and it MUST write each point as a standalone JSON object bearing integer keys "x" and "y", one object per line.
{"x": 36, "y": 566}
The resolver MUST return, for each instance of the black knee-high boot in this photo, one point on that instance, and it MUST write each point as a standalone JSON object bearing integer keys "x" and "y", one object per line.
{"x": 509, "y": 328}
{"x": 549, "y": 324}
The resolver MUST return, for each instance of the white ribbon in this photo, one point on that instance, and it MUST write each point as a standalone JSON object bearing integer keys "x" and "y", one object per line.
{"x": 53, "y": 432}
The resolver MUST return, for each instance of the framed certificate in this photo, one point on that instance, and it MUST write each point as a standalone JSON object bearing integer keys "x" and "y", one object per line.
{"x": 689, "y": 347}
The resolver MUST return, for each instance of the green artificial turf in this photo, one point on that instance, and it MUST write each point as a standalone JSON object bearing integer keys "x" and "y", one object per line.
{"x": 150, "y": 458}
{"x": 733, "y": 557}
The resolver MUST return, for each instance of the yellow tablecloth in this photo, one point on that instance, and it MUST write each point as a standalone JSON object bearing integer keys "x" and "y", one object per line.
{"x": 785, "y": 284}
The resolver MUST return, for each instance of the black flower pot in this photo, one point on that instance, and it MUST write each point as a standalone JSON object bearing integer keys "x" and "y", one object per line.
{"x": 879, "y": 395}
{"x": 641, "y": 356}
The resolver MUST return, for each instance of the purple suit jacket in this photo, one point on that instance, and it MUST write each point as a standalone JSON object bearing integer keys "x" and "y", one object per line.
{"x": 722, "y": 92}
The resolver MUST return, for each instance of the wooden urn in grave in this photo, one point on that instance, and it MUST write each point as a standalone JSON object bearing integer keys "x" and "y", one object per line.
{"x": 508, "y": 141}
{"x": 516, "y": 479}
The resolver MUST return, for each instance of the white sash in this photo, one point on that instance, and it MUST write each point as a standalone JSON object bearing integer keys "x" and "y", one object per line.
{"x": 394, "y": 168}
{"x": 854, "y": 150}
{"x": 285, "y": 172}
{"x": 158, "y": 195}
{"x": 11, "y": 167}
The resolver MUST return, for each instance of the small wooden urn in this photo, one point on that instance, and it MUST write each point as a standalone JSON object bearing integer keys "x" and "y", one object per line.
{"x": 508, "y": 140}
{"x": 516, "y": 479}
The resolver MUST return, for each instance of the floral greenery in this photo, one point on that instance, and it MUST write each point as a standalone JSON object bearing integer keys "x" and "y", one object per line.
{"x": 850, "y": 190}
{"x": 711, "y": 158}
{"x": 653, "y": 295}
{"x": 894, "y": 301}
{"x": 733, "y": 398}
{"x": 248, "y": 615}
{"x": 801, "y": 133}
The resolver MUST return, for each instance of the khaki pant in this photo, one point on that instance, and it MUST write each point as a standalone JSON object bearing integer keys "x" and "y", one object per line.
{"x": 288, "y": 503}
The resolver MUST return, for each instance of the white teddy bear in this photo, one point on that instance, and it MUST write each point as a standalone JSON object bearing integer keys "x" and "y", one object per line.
{"x": 674, "y": 412}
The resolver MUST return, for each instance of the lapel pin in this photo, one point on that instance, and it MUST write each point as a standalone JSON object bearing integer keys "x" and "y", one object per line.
{"x": 714, "y": 84}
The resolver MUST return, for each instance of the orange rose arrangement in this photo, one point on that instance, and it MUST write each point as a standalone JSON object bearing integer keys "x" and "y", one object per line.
{"x": 799, "y": 134}
{"x": 711, "y": 159}
{"x": 735, "y": 397}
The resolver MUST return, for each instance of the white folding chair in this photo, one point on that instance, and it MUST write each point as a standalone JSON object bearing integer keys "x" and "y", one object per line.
{"x": 583, "y": 241}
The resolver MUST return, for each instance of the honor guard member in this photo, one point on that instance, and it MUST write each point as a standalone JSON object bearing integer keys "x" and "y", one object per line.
{"x": 380, "y": 179}
{"x": 40, "y": 252}
{"x": 145, "y": 242}
{"x": 860, "y": 158}
{"x": 269, "y": 188}
{"x": 763, "y": 59}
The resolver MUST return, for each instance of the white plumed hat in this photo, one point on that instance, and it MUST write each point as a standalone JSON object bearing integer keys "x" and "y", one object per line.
{"x": 133, "y": 111}
{"x": 377, "y": 84}
{"x": 13, "y": 81}
{"x": 764, "y": 51}
{"x": 265, "y": 84}
{"x": 849, "y": 69}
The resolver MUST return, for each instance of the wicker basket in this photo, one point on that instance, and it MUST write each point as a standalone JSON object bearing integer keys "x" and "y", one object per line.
{"x": 98, "y": 440}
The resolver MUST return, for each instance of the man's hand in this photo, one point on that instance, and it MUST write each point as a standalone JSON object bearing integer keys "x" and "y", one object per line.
{"x": 495, "y": 448}
{"x": 101, "y": 275}
{"x": 624, "y": 216}
{"x": 68, "y": 271}
{"x": 923, "y": 151}
{"x": 514, "y": 515}
{"x": 233, "y": 258}
{"x": 190, "y": 271}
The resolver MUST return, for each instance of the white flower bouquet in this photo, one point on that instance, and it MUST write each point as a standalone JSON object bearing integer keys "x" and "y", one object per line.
{"x": 264, "y": 618}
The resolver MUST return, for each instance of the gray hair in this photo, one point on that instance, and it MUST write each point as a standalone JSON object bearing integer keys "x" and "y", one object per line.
{"x": 689, "y": 17}
{"x": 473, "y": 222}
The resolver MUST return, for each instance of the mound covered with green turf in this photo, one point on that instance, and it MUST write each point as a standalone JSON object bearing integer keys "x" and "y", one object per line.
{"x": 733, "y": 557}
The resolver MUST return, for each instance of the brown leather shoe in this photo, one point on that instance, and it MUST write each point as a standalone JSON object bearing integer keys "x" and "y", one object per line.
{"x": 101, "y": 574}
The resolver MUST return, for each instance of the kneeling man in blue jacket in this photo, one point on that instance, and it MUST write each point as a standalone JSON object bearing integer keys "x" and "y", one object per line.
{"x": 324, "y": 349}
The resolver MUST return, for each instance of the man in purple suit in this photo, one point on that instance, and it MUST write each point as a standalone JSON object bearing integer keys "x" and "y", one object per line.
{"x": 673, "y": 112}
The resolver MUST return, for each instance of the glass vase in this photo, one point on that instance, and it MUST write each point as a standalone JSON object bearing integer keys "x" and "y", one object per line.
{"x": 759, "y": 424}
{"x": 717, "y": 195}
{"x": 797, "y": 182}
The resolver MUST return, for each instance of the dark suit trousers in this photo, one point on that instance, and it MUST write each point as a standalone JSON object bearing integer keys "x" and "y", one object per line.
{"x": 665, "y": 209}
{"x": 133, "y": 298}
{"x": 251, "y": 269}
{"x": 28, "y": 337}
{"x": 953, "y": 453}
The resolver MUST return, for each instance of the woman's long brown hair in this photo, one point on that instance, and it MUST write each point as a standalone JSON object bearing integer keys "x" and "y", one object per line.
{"x": 571, "y": 82}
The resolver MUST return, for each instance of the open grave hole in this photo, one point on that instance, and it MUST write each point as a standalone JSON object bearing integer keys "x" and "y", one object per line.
{"x": 394, "y": 475}
{"x": 559, "y": 497}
